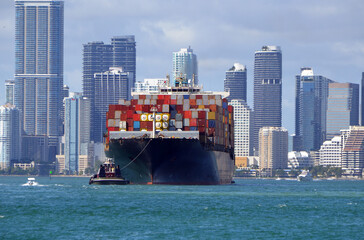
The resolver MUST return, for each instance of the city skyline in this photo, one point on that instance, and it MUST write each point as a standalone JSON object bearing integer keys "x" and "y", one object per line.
{"x": 159, "y": 32}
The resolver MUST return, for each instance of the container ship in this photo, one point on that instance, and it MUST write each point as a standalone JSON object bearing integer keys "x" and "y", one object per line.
{"x": 177, "y": 135}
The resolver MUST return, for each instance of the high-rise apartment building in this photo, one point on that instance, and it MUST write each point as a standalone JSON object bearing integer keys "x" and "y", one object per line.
{"x": 39, "y": 65}
{"x": 124, "y": 54}
{"x": 267, "y": 90}
{"x": 343, "y": 108}
{"x": 235, "y": 82}
{"x": 242, "y": 128}
{"x": 77, "y": 131}
{"x": 9, "y": 91}
{"x": 311, "y": 105}
{"x": 185, "y": 65}
{"x": 10, "y": 135}
{"x": 110, "y": 86}
{"x": 273, "y": 148}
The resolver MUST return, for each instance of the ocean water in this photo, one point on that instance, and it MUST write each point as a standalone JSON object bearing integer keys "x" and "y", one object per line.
{"x": 69, "y": 208}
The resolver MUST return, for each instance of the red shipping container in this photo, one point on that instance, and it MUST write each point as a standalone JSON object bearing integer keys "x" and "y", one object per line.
{"x": 198, "y": 96}
{"x": 201, "y": 129}
{"x": 161, "y": 97}
{"x": 130, "y": 129}
{"x": 179, "y": 108}
{"x": 110, "y": 115}
{"x": 193, "y": 122}
{"x": 150, "y": 125}
{"x": 160, "y": 101}
{"x": 192, "y": 101}
{"x": 193, "y": 107}
{"x": 201, "y": 114}
{"x": 201, "y": 122}
{"x": 130, "y": 122}
{"x": 142, "y": 97}
{"x": 146, "y": 108}
{"x": 143, "y": 125}
{"x": 138, "y": 107}
{"x": 167, "y": 101}
{"x": 173, "y": 101}
{"x": 187, "y": 128}
{"x": 112, "y": 108}
{"x": 167, "y": 97}
{"x": 136, "y": 117}
{"x": 187, "y": 114}
{"x": 230, "y": 108}
{"x": 123, "y": 117}
{"x": 213, "y": 107}
{"x": 159, "y": 107}
{"x": 129, "y": 113}
{"x": 224, "y": 100}
{"x": 134, "y": 101}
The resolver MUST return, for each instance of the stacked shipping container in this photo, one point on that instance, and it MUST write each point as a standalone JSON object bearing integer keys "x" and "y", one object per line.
{"x": 208, "y": 114}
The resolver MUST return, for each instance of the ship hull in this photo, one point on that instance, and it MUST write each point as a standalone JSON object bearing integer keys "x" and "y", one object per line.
{"x": 171, "y": 161}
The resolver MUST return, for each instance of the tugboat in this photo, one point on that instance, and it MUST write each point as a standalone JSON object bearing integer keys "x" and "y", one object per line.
{"x": 108, "y": 174}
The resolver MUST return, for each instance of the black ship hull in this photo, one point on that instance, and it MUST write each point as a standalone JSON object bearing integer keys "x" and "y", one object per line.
{"x": 171, "y": 161}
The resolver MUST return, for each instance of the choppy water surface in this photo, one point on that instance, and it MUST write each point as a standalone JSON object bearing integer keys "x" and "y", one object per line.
{"x": 69, "y": 208}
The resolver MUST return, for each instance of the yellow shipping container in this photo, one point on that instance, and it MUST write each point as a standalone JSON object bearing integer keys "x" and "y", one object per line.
{"x": 211, "y": 115}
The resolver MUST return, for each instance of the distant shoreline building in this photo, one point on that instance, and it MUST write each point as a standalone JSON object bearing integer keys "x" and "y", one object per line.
{"x": 330, "y": 152}
{"x": 273, "y": 148}
{"x": 267, "y": 90}
{"x": 10, "y": 135}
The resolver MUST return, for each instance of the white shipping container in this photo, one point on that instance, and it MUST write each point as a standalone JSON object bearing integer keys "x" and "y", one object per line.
{"x": 147, "y": 101}
{"x": 153, "y": 102}
{"x": 186, "y": 122}
{"x": 140, "y": 101}
{"x": 186, "y": 101}
{"x": 179, "y": 101}
{"x": 186, "y": 107}
{"x": 205, "y": 102}
{"x": 122, "y": 125}
{"x": 165, "y": 108}
{"x": 121, "y": 101}
{"x": 212, "y": 101}
{"x": 199, "y": 102}
{"x": 179, "y": 124}
{"x": 116, "y": 122}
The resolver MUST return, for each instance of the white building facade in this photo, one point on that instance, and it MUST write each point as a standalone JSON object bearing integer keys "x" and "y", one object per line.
{"x": 10, "y": 135}
{"x": 331, "y": 151}
{"x": 242, "y": 128}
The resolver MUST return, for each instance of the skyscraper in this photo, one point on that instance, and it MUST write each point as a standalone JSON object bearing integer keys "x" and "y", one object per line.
{"x": 273, "y": 148}
{"x": 10, "y": 135}
{"x": 311, "y": 107}
{"x": 267, "y": 89}
{"x": 235, "y": 82}
{"x": 97, "y": 57}
{"x": 77, "y": 131}
{"x": 343, "y": 108}
{"x": 110, "y": 86}
{"x": 353, "y": 151}
{"x": 39, "y": 65}
{"x": 185, "y": 65}
{"x": 124, "y": 54}
{"x": 9, "y": 91}
{"x": 242, "y": 128}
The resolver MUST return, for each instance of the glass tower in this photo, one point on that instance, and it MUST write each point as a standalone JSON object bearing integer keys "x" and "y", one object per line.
{"x": 311, "y": 107}
{"x": 9, "y": 91}
{"x": 235, "y": 82}
{"x": 124, "y": 54}
{"x": 77, "y": 130}
{"x": 267, "y": 90}
{"x": 185, "y": 65}
{"x": 110, "y": 86}
{"x": 343, "y": 108}
{"x": 39, "y": 65}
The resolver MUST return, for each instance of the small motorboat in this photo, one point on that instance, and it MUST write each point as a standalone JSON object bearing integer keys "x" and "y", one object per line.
{"x": 108, "y": 174}
{"x": 31, "y": 182}
{"x": 305, "y": 176}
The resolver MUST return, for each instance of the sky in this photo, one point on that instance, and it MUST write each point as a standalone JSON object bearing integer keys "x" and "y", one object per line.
{"x": 327, "y": 35}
